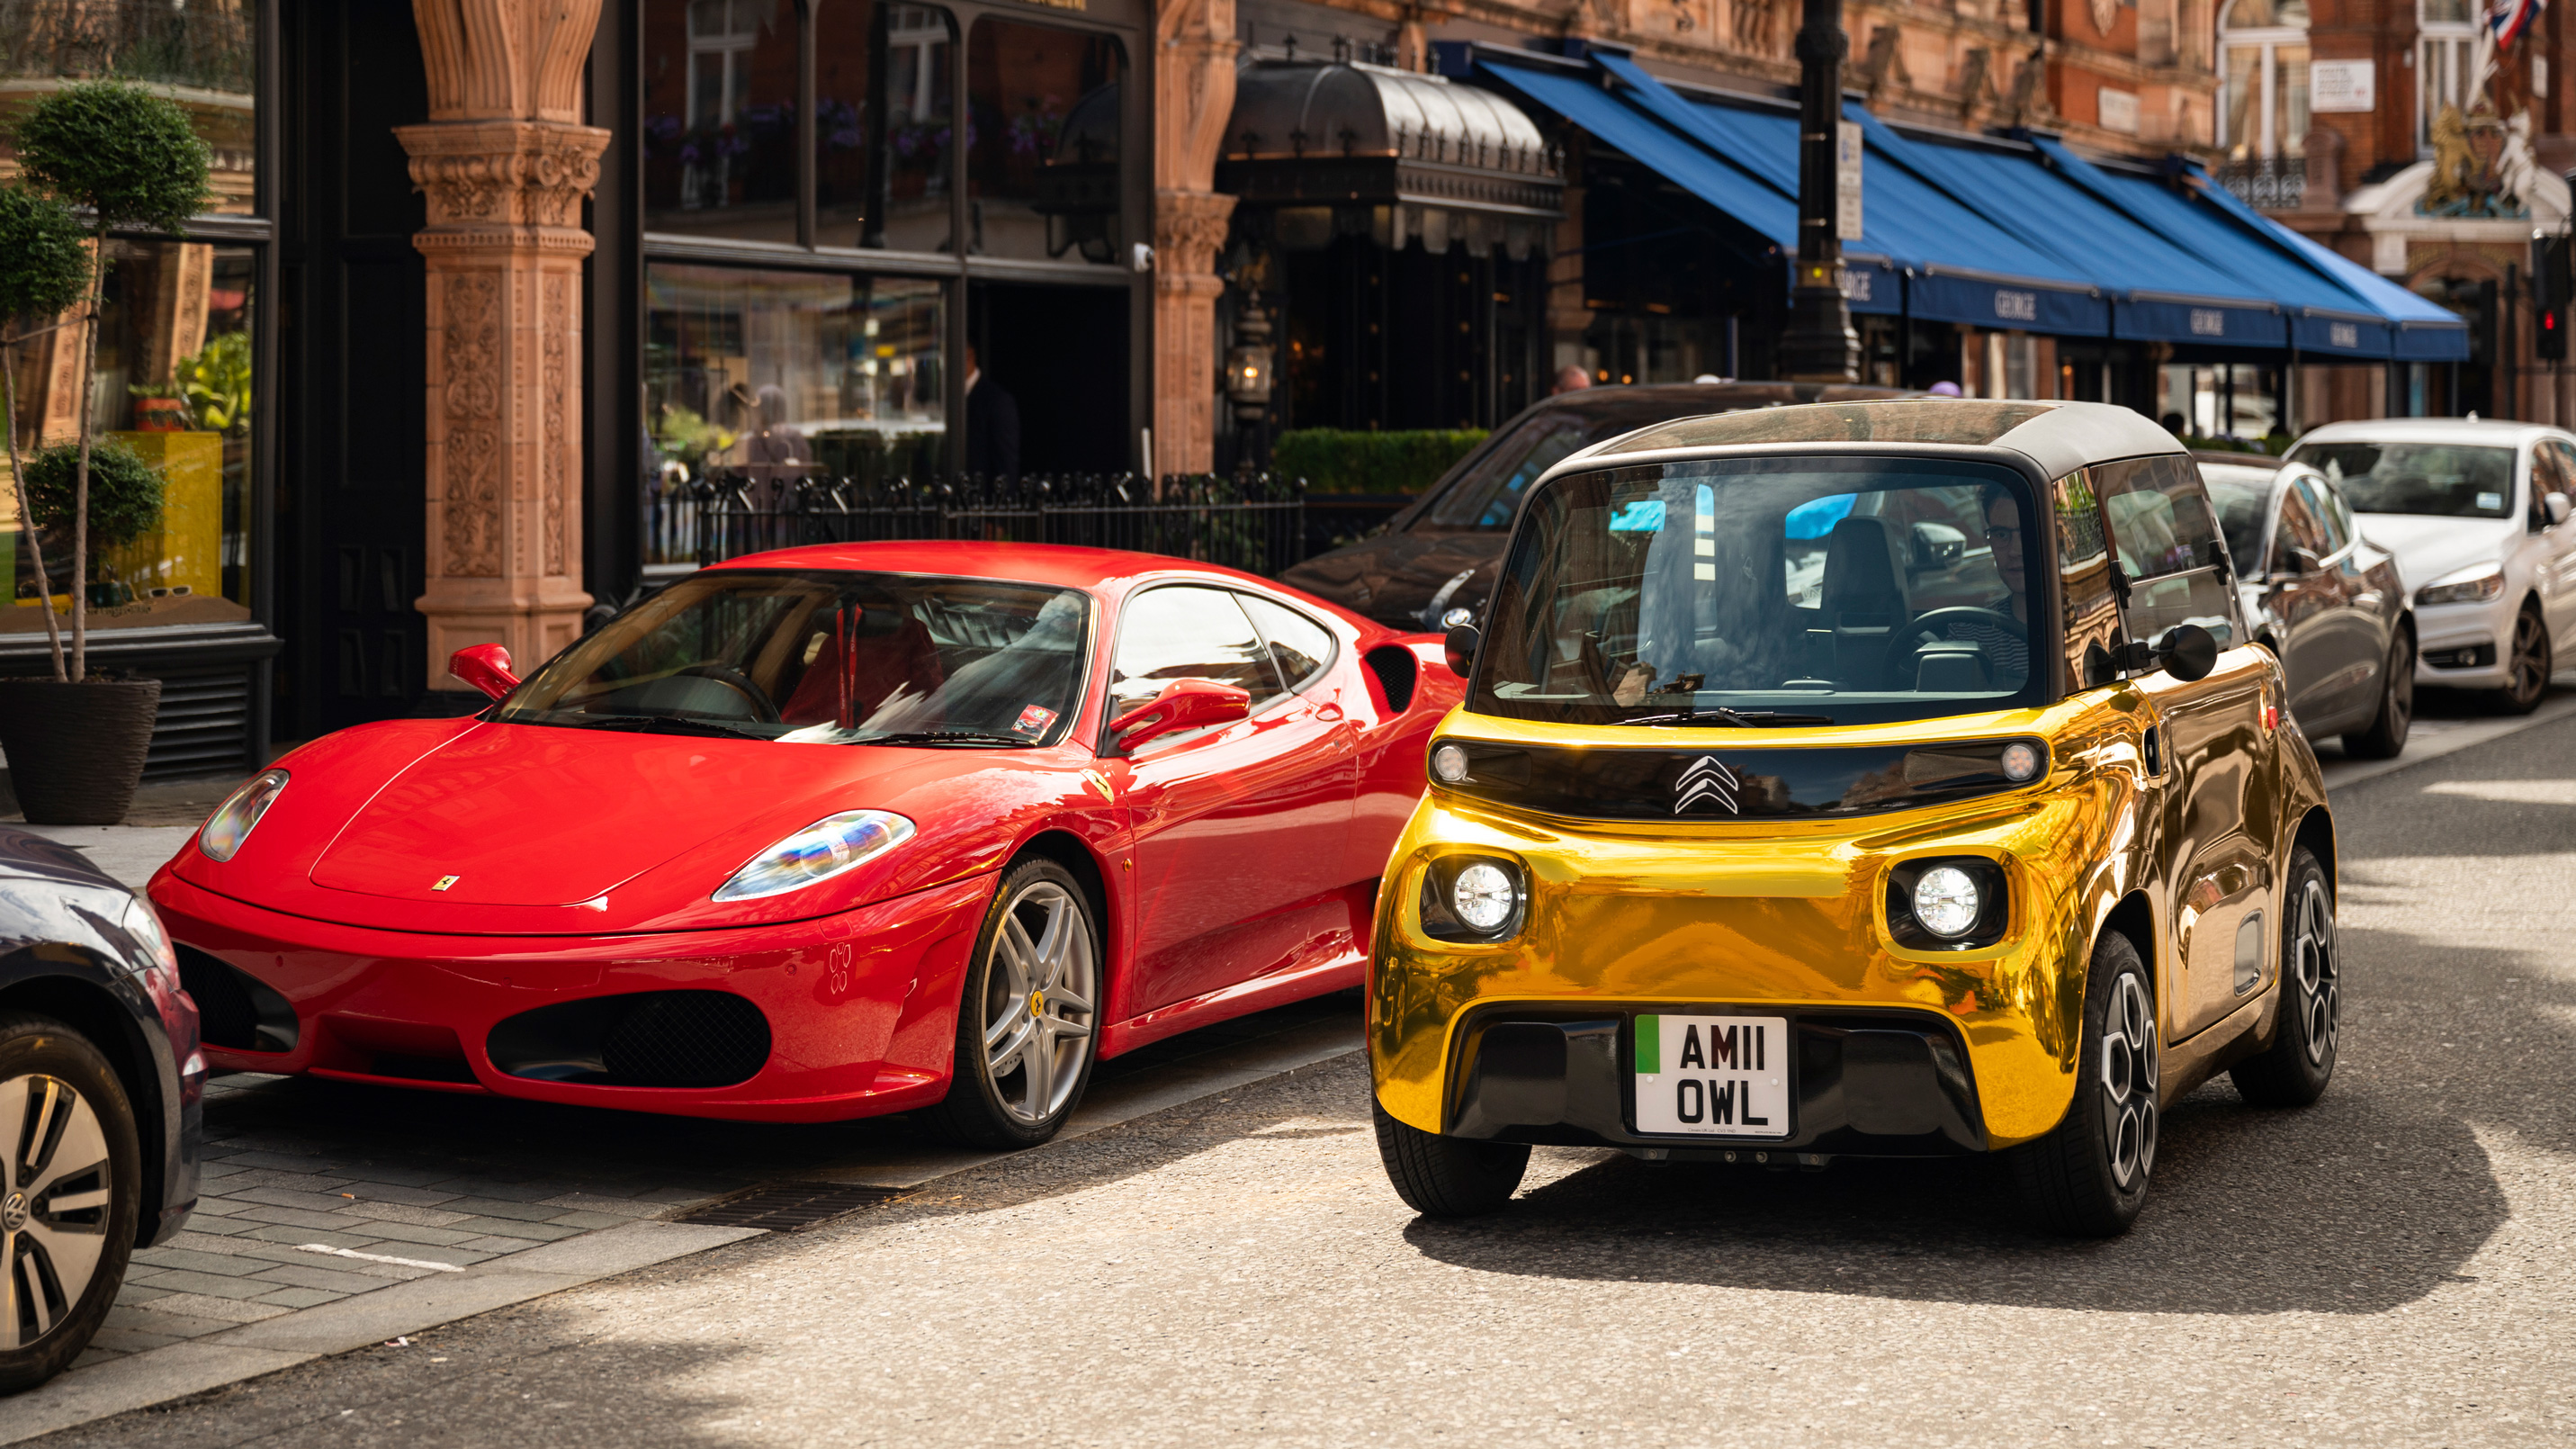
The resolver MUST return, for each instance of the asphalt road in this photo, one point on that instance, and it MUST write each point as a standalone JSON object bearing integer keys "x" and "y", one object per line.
{"x": 2390, "y": 1267}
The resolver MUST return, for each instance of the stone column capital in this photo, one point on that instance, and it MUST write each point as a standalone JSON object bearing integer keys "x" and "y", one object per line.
{"x": 1189, "y": 231}
{"x": 518, "y": 185}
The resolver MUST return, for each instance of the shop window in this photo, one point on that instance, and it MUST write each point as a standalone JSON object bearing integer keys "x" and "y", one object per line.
{"x": 203, "y": 56}
{"x": 172, "y": 382}
{"x": 2263, "y": 80}
{"x": 897, "y": 55}
{"x": 2445, "y": 62}
{"x": 720, "y": 117}
{"x": 1043, "y": 142}
{"x": 784, "y": 375}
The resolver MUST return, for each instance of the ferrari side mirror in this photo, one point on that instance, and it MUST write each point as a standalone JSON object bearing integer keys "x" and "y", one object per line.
{"x": 1184, "y": 704}
{"x": 1462, "y": 642}
{"x": 486, "y": 667}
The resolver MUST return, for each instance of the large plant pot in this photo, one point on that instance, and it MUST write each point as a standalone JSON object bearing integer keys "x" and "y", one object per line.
{"x": 76, "y": 750}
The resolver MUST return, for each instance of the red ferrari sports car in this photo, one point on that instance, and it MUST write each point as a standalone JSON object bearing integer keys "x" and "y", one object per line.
{"x": 825, "y": 833}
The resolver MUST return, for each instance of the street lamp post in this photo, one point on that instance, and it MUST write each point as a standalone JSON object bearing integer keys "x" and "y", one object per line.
{"x": 1819, "y": 345}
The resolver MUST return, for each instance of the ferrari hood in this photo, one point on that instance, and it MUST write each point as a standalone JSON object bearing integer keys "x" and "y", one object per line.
{"x": 528, "y": 816}
{"x": 2427, "y": 548}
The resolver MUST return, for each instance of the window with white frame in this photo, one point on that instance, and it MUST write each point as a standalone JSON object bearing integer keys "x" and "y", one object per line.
{"x": 2446, "y": 45}
{"x": 2263, "y": 79}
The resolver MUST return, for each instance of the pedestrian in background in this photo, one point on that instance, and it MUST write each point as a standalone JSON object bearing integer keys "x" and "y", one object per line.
{"x": 1571, "y": 378}
{"x": 992, "y": 424}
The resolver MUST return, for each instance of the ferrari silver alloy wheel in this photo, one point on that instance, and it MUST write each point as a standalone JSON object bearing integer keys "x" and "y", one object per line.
{"x": 55, "y": 1186}
{"x": 2312, "y": 970}
{"x": 1038, "y": 998}
{"x": 2129, "y": 1082}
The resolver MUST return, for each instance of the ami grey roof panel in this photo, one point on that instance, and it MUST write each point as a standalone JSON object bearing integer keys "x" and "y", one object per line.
{"x": 2059, "y": 436}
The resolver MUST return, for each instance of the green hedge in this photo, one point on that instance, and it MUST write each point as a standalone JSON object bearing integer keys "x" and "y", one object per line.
{"x": 1334, "y": 461}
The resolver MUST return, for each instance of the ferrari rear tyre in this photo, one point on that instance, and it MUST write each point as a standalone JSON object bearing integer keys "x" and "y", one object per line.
{"x": 2294, "y": 1071}
{"x": 71, "y": 1183}
{"x": 2528, "y": 667}
{"x": 2088, "y": 1178}
{"x": 2385, "y": 738}
{"x": 1448, "y": 1177}
{"x": 1028, "y": 1023}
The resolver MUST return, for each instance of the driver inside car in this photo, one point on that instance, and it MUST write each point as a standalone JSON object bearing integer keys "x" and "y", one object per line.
{"x": 2007, "y": 653}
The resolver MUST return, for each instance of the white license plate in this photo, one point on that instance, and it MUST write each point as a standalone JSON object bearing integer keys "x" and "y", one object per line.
{"x": 1718, "y": 1076}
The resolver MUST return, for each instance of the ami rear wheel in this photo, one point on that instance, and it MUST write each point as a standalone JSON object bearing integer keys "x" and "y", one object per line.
{"x": 2528, "y": 667}
{"x": 2088, "y": 1178}
{"x": 71, "y": 1183}
{"x": 1028, "y": 1020}
{"x": 2295, "y": 1069}
{"x": 1448, "y": 1177}
{"x": 2385, "y": 738}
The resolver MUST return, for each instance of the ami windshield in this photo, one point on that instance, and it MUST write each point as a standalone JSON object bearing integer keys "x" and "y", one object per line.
{"x": 826, "y": 657}
{"x": 1773, "y": 591}
{"x": 2437, "y": 480}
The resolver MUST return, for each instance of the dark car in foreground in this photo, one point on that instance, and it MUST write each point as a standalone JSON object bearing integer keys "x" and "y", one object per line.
{"x": 100, "y": 1099}
{"x": 2323, "y": 598}
{"x": 1441, "y": 552}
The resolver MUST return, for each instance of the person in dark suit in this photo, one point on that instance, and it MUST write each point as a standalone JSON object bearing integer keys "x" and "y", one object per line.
{"x": 992, "y": 425}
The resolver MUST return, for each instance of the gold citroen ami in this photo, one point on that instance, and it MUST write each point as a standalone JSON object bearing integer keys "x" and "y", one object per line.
{"x": 1868, "y": 779}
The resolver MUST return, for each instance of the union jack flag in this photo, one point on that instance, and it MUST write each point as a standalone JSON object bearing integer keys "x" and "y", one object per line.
{"x": 2510, "y": 18}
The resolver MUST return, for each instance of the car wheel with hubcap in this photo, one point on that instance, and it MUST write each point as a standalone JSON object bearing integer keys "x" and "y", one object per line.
{"x": 2088, "y": 1177}
{"x": 1028, "y": 1025}
{"x": 1448, "y": 1177}
{"x": 2528, "y": 668}
{"x": 71, "y": 1181}
{"x": 2294, "y": 1070}
{"x": 2385, "y": 738}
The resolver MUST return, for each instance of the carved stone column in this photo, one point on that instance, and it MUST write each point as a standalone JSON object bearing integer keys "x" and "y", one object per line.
{"x": 1194, "y": 97}
{"x": 505, "y": 166}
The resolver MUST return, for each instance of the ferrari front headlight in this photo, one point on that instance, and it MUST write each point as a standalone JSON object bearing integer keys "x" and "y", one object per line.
{"x": 820, "y": 851}
{"x": 233, "y": 820}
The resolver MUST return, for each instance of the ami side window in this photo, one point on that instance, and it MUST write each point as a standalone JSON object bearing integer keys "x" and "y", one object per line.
{"x": 2087, "y": 603}
{"x": 2164, "y": 536}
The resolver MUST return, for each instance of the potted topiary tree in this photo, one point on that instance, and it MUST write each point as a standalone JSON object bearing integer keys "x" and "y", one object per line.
{"x": 127, "y": 157}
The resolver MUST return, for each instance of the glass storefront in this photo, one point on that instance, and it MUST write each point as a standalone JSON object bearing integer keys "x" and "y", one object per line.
{"x": 906, "y": 68}
{"x": 205, "y": 56}
{"x": 1042, "y": 138}
{"x": 720, "y": 117}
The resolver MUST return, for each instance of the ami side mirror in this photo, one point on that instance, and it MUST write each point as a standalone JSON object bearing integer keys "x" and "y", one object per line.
{"x": 2187, "y": 652}
{"x": 486, "y": 667}
{"x": 1461, "y": 645}
{"x": 1936, "y": 546}
{"x": 1184, "y": 704}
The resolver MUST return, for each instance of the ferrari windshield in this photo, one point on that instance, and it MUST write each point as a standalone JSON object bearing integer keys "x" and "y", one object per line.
{"x": 1768, "y": 591}
{"x": 2441, "y": 480}
{"x": 826, "y": 657}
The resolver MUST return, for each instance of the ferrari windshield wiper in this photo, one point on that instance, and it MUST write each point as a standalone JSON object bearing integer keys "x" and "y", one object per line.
{"x": 942, "y": 737}
{"x": 666, "y": 724}
{"x": 1752, "y": 719}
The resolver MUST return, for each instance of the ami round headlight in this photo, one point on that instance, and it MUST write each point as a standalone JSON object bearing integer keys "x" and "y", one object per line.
{"x": 233, "y": 820}
{"x": 1945, "y": 901}
{"x": 1449, "y": 764}
{"x": 817, "y": 853}
{"x": 1484, "y": 896}
{"x": 2021, "y": 762}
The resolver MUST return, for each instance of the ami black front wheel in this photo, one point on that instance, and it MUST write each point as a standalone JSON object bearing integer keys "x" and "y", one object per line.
{"x": 1448, "y": 1177}
{"x": 71, "y": 1183}
{"x": 2088, "y": 1177}
{"x": 1028, "y": 1020}
{"x": 2295, "y": 1069}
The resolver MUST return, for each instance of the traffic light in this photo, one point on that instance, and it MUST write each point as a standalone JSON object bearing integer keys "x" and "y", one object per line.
{"x": 2550, "y": 288}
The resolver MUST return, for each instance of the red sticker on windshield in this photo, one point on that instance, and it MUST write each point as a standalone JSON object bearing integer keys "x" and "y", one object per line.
{"x": 1034, "y": 720}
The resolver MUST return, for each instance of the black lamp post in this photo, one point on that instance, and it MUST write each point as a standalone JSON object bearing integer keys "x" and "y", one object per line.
{"x": 1819, "y": 345}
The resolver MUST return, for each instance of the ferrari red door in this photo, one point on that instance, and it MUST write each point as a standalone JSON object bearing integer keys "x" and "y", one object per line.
{"x": 1238, "y": 831}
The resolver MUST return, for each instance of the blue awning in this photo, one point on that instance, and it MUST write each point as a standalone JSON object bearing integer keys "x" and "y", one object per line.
{"x": 2423, "y": 330}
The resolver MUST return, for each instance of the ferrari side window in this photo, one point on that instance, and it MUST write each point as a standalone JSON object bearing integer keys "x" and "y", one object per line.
{"x": 1186, "y": 632}
{"x": 1298, "y": 645}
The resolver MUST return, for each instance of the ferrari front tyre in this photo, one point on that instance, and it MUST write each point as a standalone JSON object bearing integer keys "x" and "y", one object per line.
{"x": 2527, "y": 666}
{"x": 2088, "y": 1178}
{"x": 1028, "y": 1022}
{"x": 71, "y": 1183}
{"x": 2294, "y": 1071}
{"x": 2385, "y": 739}
{"x": 1448, "y": 1177}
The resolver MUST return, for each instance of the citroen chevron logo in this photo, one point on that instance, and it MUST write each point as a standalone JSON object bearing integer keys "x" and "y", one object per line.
{"x": 1706, "y": 779}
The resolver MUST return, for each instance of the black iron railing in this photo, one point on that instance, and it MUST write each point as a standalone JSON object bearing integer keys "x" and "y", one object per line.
{"x": 1250, "y": 521}
{"x": 2271, "y": 183}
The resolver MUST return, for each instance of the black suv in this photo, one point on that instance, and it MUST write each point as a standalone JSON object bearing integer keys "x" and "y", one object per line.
{"x": 1440, "y": 553}
{"x": 101, "y": 1089}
